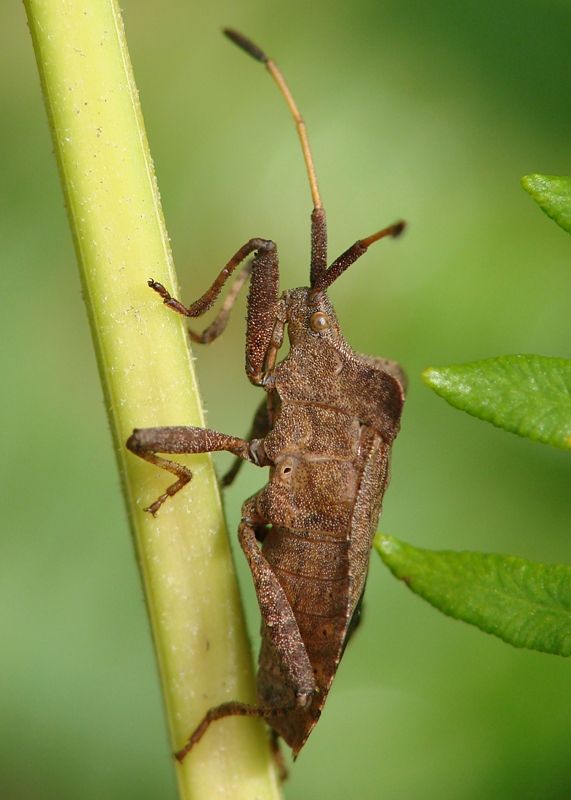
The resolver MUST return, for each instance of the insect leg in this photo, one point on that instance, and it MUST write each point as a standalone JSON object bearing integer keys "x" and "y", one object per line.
{"x": 266, "y": 316}
{"x": 235, "y": 709}
{"x": 281, "y": 628}
{"x": 147, "y": 442}
{"x": 230, "y": 709}
{"x": 218, "y": 325}
{"x": 279, "y": 620}
{"x": 204, "y": 303}
{"x": 279, "y": 760}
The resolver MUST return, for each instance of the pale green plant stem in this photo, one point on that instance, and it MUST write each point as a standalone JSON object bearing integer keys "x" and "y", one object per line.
{"x": 148, "y": 378}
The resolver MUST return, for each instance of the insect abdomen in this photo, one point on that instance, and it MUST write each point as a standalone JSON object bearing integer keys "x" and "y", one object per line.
{"x": 313, "y": 569}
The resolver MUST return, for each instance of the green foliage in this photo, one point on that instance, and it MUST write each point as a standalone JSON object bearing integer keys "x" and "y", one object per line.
{"x": 525, "y": 603}
{"x": 552, "y": 193}
{"x": 526, "y": 394}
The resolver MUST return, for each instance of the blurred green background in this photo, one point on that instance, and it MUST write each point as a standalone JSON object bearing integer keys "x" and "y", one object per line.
{"x": 427, "y": 111}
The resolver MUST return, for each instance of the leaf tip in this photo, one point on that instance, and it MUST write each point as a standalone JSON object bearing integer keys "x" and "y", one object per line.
{"x": 385, "y": 545}
{"x": 552, "y": 193}
{"x": 431, "y": 376}
{"x": 532, "y": 183}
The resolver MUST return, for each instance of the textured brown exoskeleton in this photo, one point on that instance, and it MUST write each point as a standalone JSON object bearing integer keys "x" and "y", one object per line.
{"x": 325, "y": 430}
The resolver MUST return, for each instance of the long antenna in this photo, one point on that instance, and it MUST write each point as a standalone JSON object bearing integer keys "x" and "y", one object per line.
{"x": 253, "y": 50}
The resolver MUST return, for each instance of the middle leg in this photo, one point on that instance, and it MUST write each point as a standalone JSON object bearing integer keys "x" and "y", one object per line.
{"x": 147, "y": 442}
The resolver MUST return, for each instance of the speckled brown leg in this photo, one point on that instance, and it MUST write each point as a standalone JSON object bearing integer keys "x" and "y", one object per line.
{"x": 147, "y": 442}
{"x": 280, "y": 624}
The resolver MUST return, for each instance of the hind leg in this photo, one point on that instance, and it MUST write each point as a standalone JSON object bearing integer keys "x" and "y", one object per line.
{"x": 283, "y": 634}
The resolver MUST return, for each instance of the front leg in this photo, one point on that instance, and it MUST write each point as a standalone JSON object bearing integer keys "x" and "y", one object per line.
{"x": 266, "y": 314}
{"x": 262, "y": 300}
{"x": 147, "y": 442}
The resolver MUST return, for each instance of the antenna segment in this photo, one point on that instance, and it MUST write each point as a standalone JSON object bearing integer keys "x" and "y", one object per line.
{"x": 253, "y": 50}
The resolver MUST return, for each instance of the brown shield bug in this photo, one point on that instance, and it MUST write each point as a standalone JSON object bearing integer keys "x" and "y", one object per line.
{"x": 325, "y": 430}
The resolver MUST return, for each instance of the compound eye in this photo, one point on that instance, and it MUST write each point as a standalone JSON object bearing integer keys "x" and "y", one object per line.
{"x": 319, "y": 321}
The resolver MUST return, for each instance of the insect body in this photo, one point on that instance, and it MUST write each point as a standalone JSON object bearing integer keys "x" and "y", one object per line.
{"x": 325, "y": 430}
